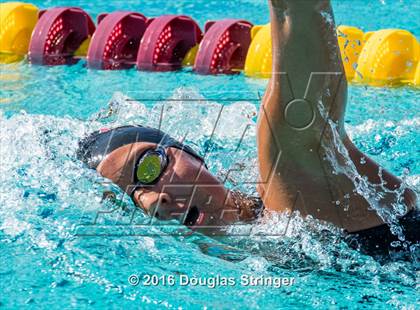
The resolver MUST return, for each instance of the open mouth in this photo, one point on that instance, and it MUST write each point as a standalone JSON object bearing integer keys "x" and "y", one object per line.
{"x": 193, "y": 217}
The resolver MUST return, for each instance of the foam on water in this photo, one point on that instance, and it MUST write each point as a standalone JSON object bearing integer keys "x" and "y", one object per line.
{"x": 46, "y": 193}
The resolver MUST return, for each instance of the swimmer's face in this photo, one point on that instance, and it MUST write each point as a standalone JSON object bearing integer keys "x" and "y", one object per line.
{"x": 185, "y": 191}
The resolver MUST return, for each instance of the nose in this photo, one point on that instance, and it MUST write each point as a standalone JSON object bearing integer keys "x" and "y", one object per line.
{"x": 159, "y": 205}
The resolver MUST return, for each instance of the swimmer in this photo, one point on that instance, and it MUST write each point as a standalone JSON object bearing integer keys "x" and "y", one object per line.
{"x": 301, "y": 141}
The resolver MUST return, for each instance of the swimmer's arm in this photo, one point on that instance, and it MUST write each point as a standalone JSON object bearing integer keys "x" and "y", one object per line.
{"x": 304, "y": 42}
{"x": 294, "y": 172}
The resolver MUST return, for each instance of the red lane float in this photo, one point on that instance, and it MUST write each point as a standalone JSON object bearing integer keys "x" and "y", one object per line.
{"x": 58, "y": 34}
{"x": 224, "y": 47}
{"x": 116, "y": 40}
{"x": 166, "y": 42}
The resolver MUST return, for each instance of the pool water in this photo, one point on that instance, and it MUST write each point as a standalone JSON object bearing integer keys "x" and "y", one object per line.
{"x": 54, "y": 254}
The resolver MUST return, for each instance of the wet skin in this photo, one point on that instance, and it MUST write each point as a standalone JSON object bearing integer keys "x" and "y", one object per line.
{"x": 295, "y": 136}
{"x": 293, "y": 143}
{"x": 186, "y": 185}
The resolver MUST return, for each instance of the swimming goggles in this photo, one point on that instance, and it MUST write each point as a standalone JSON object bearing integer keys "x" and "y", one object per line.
{"x": 149, "y": 168}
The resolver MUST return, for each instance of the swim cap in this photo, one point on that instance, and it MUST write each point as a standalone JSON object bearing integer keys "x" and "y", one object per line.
{"x": 93, "y": 148}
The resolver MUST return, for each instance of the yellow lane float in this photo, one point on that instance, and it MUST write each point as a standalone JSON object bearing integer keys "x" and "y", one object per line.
{"x": 416, "y": 80}
{"x": 351, "y": 41}
{"x": 386, "y": 57}
{"x": 258, "y": 60}
{"x": 390, "y": 57}
{"x": 189, "y": 58}
{"x": 17, "y": 20}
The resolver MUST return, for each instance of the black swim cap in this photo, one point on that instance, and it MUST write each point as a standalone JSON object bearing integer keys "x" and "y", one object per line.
{"x": 93, "y": 148}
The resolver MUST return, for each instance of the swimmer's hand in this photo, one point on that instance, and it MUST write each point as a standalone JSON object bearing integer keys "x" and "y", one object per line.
{"x": 298, "y": 8}
{"x": 304, "y": 4}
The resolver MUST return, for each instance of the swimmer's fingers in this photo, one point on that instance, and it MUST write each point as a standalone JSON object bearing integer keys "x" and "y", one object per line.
{"x": 298, "y": 4}
{"x": 278, "y": 4}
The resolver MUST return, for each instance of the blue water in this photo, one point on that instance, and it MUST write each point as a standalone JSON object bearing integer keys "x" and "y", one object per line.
{"x": 52, "y": 253}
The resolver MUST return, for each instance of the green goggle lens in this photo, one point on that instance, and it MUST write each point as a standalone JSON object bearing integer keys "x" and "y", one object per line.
{"x": 149, "y": 169}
